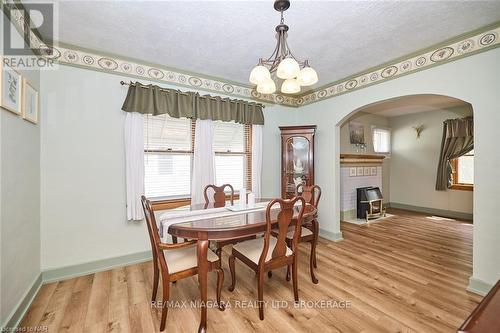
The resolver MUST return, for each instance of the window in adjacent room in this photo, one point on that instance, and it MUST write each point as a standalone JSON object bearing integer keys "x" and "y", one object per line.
{"x": 381, "y": 140}
{"x": 232, "y": 146}
{"x": 168, "y": 151}
{"x": 463, "y": 172}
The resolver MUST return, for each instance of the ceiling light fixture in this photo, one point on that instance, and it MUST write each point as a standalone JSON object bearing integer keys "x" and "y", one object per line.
{"x": 282, "y": 62}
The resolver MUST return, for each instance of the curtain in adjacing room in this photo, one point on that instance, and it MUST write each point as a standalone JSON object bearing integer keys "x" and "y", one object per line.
{"x": 458, "y": 140}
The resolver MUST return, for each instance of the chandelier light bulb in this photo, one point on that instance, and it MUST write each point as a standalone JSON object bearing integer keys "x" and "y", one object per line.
{"x": 259, "y": 74}
{"x": 290, "y": 86}
{"x": 288, "y": 69}
{"x": 307, "y": 76}
{"x": 267, "y": 86}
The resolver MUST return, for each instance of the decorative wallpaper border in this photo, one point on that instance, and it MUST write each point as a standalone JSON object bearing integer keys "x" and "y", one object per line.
{"x": 468, "y": 44}
{"x": 116, "y": 65}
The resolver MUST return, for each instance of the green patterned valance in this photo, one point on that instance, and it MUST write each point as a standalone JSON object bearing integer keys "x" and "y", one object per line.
{"x": 150, "y": 99}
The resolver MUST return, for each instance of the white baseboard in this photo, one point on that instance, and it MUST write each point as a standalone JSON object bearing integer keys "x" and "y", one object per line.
{"x": 333, "y": 236}
{"x": 22, "y": 307}
{"x": 478, "y": 286}
{"x": 432, "y": 211}
{"x": 63, "y": 273}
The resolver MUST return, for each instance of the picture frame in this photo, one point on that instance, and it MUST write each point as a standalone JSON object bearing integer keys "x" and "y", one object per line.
{"x": 30, "y": 102}
{"x": 352, "y": 172}
{"x": 373, "y": 171}
{"x": 356, "y": 133}
{"x": 10, "y": 89}
{"x": 366, "y": 171}
{"x": 359, "y": 171}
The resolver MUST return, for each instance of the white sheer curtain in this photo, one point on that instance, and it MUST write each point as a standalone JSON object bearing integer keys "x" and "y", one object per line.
{"x": 134, "y": 164}
{"x": 257, "y": 160}
{"x": 203, "y": 160}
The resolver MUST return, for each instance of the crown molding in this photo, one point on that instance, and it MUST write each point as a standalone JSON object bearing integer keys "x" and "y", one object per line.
{"x": 467, "y": 44}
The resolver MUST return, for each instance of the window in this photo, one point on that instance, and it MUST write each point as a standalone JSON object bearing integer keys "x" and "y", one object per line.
{"x": 381, "y": 140}
{"x": 168, "y": 153}
{"x": 232, "y": 148}
{"x": 463, "y": 172}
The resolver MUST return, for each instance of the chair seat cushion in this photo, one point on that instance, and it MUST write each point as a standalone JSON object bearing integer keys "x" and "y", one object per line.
{"x": 252, "y": 249}
{"x": 304, "y": 232}
{"x": 181, "y": 259}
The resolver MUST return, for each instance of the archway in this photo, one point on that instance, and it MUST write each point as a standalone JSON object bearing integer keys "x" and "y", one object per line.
{"x": 413, "y": 125}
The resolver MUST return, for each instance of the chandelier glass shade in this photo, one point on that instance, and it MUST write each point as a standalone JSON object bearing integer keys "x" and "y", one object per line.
{"x": 290, "y": 86}
{"x": 282, "y": 64}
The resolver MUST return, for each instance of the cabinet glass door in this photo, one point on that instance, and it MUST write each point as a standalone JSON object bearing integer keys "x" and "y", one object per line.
{"x": 296, "y": 162}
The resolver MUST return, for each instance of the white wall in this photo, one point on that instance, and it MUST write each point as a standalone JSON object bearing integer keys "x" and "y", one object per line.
{"x": 473, "y": 79}
{"x": 368, "y": 120}
{"x": 414, "y": 162}
{"x": 83, "y": 178}
{"x": 271, "y": 175}
{"x": 19, "y": 203}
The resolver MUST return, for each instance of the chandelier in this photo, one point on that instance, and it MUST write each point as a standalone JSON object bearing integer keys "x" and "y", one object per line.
{"x": 282, "y": 63}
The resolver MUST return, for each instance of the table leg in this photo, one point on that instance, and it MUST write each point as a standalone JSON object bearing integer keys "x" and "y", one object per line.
{"x": 202, "y": 249}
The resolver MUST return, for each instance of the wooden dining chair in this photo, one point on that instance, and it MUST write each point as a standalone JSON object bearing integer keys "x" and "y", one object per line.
{"x": 267, "y": 253}
{"x": 219, "y": 200}
{"x": 175, "y": 262}
{"x": 310, "y": 229}
{"x": 219, "y": 195}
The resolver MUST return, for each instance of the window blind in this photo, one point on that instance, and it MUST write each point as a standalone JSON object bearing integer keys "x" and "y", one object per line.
{"x": 168, "y": 152}
{"x": 168, "y": 156}
{"x": 231, "y": 149}
{"x": 381, "y": 140}
{"x": 229, "y": 137}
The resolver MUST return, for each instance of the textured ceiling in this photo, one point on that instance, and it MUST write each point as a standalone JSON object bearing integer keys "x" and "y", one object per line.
{"x": 411, "y": 104}
{"x": 226, "y": 38}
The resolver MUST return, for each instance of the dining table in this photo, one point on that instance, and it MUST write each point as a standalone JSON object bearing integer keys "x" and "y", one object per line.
{"x": 210, "y": 222}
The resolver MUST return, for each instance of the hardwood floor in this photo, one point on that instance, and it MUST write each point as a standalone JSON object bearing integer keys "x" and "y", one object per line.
{"x": 403, "y": 274}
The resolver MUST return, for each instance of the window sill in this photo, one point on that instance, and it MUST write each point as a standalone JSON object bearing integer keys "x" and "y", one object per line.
{"x": 165, "y": 204}
{"x": 462, "y": 187}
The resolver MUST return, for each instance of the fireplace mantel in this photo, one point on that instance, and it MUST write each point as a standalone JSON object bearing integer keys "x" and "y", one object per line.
{"x": 361, "y": 159}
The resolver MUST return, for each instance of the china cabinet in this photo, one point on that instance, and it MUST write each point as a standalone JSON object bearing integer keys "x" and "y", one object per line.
{"x": 297, "y": 158}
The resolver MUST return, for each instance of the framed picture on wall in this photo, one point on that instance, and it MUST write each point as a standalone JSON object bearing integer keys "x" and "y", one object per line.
{"x": 10, "y": 89}
{"x": 30, "y": 102}
{"x": 373, "y": 171}
{"x": 356, "y": 133}
{"x": 359, "y": 171}
{"x": 366, "y": 171}
{"x": 352, "y": 172}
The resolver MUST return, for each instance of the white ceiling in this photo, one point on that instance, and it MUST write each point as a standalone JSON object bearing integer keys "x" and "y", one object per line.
{"x": 226, "y": 38}
{"x": 411, "y": 104}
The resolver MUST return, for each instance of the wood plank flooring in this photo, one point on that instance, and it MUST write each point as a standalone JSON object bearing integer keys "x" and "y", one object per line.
{"x": 403, "y": 274}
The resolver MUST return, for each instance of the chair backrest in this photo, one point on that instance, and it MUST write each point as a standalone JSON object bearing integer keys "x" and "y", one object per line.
{"x": 154, "y": 236}
{"x": 284, "y": 219}
{"x": 219, "y": 195}
{"x": 310, "y": 193}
